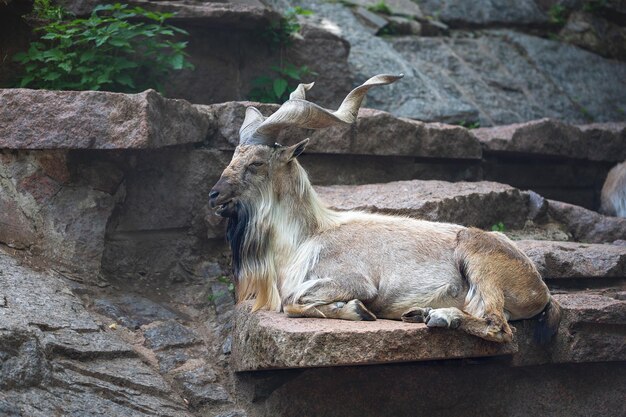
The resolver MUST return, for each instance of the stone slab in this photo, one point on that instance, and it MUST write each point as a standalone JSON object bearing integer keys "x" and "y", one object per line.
{"x": 587, "y": 225}
{"x": 484, "y": 13}
{"x": 461, "y": 202}
{"x": 591, "y": 330}
{"x": 41, "y": 119}
{"x": 269, "y": 340}
{"x": 595, "y": 142}
{"x": 576, "y": 260}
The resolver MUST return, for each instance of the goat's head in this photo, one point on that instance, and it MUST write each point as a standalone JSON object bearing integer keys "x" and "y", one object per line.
{"x": 259, "y": 162}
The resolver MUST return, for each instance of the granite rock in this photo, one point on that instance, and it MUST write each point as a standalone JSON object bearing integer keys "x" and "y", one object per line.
{"x": 41, "y": 119}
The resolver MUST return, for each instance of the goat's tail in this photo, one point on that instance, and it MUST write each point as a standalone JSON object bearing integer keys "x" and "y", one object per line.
{"x": 548, "y": 322}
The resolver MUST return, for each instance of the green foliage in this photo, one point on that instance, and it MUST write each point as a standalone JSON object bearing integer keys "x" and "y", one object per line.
{"x": 111, "y": 50}
{"x": 280, "y": 33}
{"x": 380, "y": 7}
{"x": 498, "y": 227}
{"x": 558, "y": 14}
{"x": 46, "y": 10}
{"x": 276, "y": 88}
{"x": 594, "y": 6}
{"x": 230, "y": 287}
{"x": 469, "y": 125}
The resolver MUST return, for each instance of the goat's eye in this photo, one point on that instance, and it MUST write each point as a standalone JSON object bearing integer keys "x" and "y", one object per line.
{"x": 256, "y": 164}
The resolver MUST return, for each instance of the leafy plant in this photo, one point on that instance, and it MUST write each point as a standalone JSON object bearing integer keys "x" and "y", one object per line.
{"x": 111, "y": 50}
{"x": 498, "y": 227}
{"x": 594, "y": 6}
{"x": 380, "y": 7}
{"x": 469, "y": 125}
{"x": 276, "y": 87}
{"x": 46, "y": 10}
{"x": 230, "y": 287}
{"x": 280, "y": 33}
{"x": 558, "y": 14}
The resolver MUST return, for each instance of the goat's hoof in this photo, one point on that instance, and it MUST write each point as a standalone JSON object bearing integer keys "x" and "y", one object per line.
{"x": 417, "y": 315}
{"x": 362, "y": 311}
{"x": 441, "y": 318}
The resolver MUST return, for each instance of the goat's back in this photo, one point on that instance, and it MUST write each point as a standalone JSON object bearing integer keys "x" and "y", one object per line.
{"x": 613, "y": 197}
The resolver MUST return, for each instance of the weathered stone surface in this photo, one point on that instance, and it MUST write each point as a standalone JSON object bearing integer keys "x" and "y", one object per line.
{"x": 34, "y": 299}
{"x": 232, "y": 13}
{"x": 595, "y": 34}
{"x": 132, "y": 310}
{"x": 199, "y": 387}
{"x": 375, "y": 133}
{"x": 168, "y": 334}
{"x": 510, "y": 77}
{"x": 41, "y": 119}
{"x": 417, "y": 96}
{"x": 587, "y": 225}
{"x": 268, "y": 340}
{"x": 56, "y": 360}
{"x": 485, "y": 13}
{"x": 597, "y": 142}
{"x": 592, "y": 330}
{"x": 398, "y": 7}
{"x": 571, "y": 259}
{"x": 54, "y": 215}
{"x": 462, "y": 202}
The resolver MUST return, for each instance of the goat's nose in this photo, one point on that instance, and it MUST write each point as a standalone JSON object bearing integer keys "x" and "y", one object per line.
{"x": 213, "y": 194}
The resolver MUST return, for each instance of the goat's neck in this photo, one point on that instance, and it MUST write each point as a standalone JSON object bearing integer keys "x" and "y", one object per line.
{"x": 275, "y": 226}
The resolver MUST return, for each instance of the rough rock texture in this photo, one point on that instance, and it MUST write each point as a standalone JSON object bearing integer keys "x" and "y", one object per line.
{"x": 403, "y": 137}
{"x": 56, "y": 359}
{"x": 572, "y": 259}
{"x": 417, "y": 96}
{"x": 591, "y": 330}
{"x": 462, "y": 202}
{"x": 489, "y": 76}
{"x": 232, "y": 13}
{"x": 510, "y": 77}
{"x": 57, "y": 207}
{"x": 595, "y": 34}
{"x": 463, "y": 13}
{"x": 40, "y": 119}
{"x": 596, "y": 142}
{"x": 268, "y": 340}
{"x": 586, "y": 225}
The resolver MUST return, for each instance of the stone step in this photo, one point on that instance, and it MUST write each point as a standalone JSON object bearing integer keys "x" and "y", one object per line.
{"x": 591, "y": 330}
{"x": 41, "y": 119}
{"x": 546, "y": 137}
{"x": 479, "y": 204}
{"x": 269, "y": 340}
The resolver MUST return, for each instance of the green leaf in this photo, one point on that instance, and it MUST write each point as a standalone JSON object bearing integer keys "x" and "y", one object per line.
{"x": 26, "y": 80}
{"x": 177, "y": 62}
{"x": 67, "y": 66}
{"x": 279, "y": 87}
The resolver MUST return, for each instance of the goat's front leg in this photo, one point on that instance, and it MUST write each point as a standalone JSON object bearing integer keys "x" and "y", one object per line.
{"x": 352, "y": 310}
{"x": 332, "y": 299}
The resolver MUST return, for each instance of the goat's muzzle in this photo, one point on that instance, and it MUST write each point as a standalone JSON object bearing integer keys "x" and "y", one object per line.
{"x": 221, "y": 200}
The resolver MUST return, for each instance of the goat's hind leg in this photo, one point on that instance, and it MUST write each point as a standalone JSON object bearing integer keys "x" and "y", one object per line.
{"x": 453, "y": 318}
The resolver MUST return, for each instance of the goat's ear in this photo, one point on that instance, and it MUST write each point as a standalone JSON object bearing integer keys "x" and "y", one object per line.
{"x": 290, "y": 152}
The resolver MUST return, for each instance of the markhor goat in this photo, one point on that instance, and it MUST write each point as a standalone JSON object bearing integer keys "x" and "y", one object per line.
{"x": 292, "y": 253}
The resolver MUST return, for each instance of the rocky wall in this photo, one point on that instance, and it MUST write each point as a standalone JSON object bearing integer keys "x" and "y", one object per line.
{"x": 114, "y": 288}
